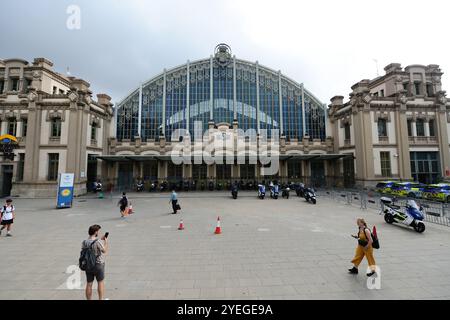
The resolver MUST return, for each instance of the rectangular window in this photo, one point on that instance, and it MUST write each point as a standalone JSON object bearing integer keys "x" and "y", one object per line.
{"x": 420, "y": 128}
{"x": 2, "y": 86}
{"x": 56, "y": 128}
{"x": 347, "y": 132}
{"x": 12, "y": 126}
{"x": 294, "y": 169}
{"x": 409, "y": 124}
{"x": 385, "y": 160}
{"x": 24, "y": 127}
{"x": 199, "y": 171}
{"x": 20, "y": 167}
{"x": 417, "y": 88}
{"x": 405, "y": 86}
{"x": 382, "y": 93}
{"x": 430, "y": 91}
{"x": 55, "y": 90}
{"x": 382, "y": 128}
{"x": 27, "y": 83}
{"x": 14, "y": 84}
{"x": 431, "y": 125}
{"x": 53, "y": 162}
{"x": 61, "y": 91}
{"x": 94, "y": 132}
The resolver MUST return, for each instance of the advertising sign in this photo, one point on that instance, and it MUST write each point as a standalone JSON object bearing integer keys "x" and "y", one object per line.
{"x": 65, "y": 190}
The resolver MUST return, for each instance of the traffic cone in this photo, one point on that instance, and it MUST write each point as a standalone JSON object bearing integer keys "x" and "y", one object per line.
{"x": 181, "y": 227}
{"x": 218, "y": 229}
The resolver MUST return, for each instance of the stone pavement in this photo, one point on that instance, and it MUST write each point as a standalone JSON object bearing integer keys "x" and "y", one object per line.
{"x": 269, "y": 249}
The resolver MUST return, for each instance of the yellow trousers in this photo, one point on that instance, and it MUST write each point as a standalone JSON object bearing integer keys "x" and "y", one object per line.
{"x": 361, "y": 253}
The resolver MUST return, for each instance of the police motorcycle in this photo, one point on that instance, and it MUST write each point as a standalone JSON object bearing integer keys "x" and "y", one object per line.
{"x": 274, "y": 191}
{"x": 261, "y": 191}
{"x": 310, "y": 195}
{"x": 411, "y": 216}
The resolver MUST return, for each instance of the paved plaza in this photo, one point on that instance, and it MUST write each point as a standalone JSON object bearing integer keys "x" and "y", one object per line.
{"x": 268, "y": 249}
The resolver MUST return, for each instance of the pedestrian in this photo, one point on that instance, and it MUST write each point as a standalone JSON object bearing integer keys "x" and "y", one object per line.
{"x": 7, "y": 217}
{"x": 364, "y": 248}
{"x": 123, "y": 203}
{"x": 174, "y": 201}
{"x": 100, "y": 249}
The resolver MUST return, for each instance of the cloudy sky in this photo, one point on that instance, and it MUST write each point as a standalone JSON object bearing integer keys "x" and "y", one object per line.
{"x": 327, "y": 45}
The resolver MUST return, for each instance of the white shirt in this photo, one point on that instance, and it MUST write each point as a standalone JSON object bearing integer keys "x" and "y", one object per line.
{"x": 8, "y": 213}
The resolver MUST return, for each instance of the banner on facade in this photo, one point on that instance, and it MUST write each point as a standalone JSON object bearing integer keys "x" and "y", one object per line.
{"x": 65, "y": 190}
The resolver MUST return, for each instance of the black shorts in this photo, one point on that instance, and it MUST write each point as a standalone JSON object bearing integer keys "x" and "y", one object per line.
{"x": 6, "y": 222}
{"x": 122, "y": 208}
{"x": 98, "y": 273}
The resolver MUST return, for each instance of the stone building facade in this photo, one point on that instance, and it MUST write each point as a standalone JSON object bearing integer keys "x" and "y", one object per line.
{"x": 397, "y": 126}
{"x": 58, "y": 124}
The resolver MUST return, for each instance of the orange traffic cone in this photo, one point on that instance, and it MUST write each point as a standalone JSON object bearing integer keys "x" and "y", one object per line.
{"x": 181, "y": 227}
{"x": 218, "y": 229}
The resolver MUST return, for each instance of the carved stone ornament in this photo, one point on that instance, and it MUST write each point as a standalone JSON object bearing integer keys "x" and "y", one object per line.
{"x": 367, "y": 98}
{"x": 36, "y": 74}
{"x": 32, "y": 96}
{"x": 403, "y": 99}
{"x": 73, "y": 96}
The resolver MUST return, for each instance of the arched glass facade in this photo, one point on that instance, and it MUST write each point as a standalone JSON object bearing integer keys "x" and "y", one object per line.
{"x": 220, "y": 89}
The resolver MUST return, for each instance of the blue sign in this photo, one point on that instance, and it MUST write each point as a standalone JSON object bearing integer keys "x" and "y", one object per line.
{"x": 65, "y": 190}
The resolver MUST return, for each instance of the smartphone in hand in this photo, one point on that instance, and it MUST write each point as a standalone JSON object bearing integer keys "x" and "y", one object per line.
{"x": 106, "y": 235}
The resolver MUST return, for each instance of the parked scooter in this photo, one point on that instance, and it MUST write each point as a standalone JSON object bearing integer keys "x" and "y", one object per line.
{"x": 300, "y": 190}
{"x": 261, "y": 191}
{"x": 163, "y": 186}
{"x": 285, "y": 192}
{"x": 186, "y": 186}
{"x": 153, "y": 186}
{"x": 202, "y": 186}
{"x": 234, "y": 190}
{"x": 310, "y": 195}
{"x": 412, "y": 216}
{"x": 274, "y": 191}
{"x": 98, "y": 187}
{"x": 139, "y": 186}
{"x": 211, "y": 186}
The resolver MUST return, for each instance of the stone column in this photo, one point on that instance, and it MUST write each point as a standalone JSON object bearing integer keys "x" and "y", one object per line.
{"x": 401, "y": 127}
{"x": 31, "y": 168}
{"x": 441, "y": 123}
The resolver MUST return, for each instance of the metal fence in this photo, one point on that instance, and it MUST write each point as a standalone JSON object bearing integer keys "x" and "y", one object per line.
{"x": 434, "y": 212}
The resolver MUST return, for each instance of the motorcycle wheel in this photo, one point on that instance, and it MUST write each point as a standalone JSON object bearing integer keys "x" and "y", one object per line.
{"x": 389, "y": 218}
{"x": 419, "y": 227}
{"x": 314, "y": 201}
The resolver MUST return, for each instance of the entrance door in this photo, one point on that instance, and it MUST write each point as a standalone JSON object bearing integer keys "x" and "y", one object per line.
{"x": 7, "y": 175}
{"x": 125, "y": 178}
{"x": 349, "y": 172}
{"x": 317, "y": 173}
{"x": 91, "y": 171}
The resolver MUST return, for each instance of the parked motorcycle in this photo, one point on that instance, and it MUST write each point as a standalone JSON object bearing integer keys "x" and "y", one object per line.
{"x": 202, "y": 186}
{"x": 285, "y": 192}
{"x": 139, "y": 186}
{"x": 163, "y": 186}
{"x": 98, "y": 187}
{"x": 234, "y": 191}
{"x": 261, "y": 191}
{"x": 211, "y": 186}
{"x": 300, "y": 190}
{"x": 274, "y": 191}
{"x": 310, "y": 195}
{"x": 186, "y": 186}
{"x": 412, "y": 216}
{"x": 153, "y": 186}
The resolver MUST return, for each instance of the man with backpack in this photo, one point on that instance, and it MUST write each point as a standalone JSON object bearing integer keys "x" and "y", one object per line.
{"x": 92, "y": 260}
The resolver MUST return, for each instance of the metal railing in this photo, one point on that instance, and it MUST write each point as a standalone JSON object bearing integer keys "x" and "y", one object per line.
{"x": 434, "y": 212}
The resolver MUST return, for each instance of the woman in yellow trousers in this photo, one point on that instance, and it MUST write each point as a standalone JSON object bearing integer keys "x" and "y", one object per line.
{"x": 364, "y": 248}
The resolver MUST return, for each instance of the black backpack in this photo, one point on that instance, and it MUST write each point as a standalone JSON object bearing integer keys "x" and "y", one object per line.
{"x": 124, "y": 201}
{"x": 88, "y": 258}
